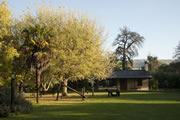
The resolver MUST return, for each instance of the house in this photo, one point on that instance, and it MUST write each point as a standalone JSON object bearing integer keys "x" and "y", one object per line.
{"x": 130, "y": 80}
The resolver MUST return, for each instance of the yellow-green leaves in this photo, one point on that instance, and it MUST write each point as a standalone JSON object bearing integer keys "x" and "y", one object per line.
{"x": 5, "y": 21}
{"x": 37, "y": 35}
{"x": 81, "y": 56}
{"x": 72, "y": 39}
{"x": 7, "y": 46}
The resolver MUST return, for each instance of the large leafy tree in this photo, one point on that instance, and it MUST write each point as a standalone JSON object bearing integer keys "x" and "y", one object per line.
{"x": 7, "y": 49}
{"x": 38, "y": 36}
{"x": 68, "y": 43}
{"x": 81, "y": 56}
{"x": 38, "y": 43}
{"x": 127, "y": 44}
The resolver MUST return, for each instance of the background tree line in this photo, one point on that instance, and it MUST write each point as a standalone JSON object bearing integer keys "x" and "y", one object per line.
{"x": 165, "y": 75}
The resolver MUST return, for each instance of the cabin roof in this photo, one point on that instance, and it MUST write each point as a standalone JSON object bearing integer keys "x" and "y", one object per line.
{"x": 130, "y": 74}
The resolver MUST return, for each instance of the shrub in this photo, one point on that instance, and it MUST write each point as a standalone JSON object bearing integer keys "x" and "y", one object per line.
{"x": 20, "y": 104}
{"x": 4, "y": 110}
{"x": 167, "y": 79}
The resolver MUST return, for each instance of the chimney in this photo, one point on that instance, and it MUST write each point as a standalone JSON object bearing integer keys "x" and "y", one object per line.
{"x": 146, "y": 68}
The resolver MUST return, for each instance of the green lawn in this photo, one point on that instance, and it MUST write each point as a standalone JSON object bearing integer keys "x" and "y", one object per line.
{"x": 129, "y": 106}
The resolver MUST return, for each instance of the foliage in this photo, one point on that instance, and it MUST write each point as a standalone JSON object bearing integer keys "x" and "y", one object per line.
{"x": 21, "y": 105}
{"x": 168, "y": 75}
{"x": 127, "y": 43}
{"x": 80, "y": 55}
{"x": 4, "y": 110}
{"x": 167, "y": 79}
{"x": 68, "y": 42}
{"x": 118, "y": 64}
{"x": 48, "y": 78}
{"x": 177, "y": 52}
{"x": 153, "y": 63}
{"x": 7, "y": 49}
{"x": 38, "y": 41}
{"x": 5, "y": 21}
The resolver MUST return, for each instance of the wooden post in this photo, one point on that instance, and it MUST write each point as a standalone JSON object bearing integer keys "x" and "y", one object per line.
{"x": 13, "y": 76}
{"x": 83, "y": 91}
{"x": 92, "y": 88}
{"x": 58, "y": 90}
{"x": 12, "y": 95}
{"x": 92, "y": 91}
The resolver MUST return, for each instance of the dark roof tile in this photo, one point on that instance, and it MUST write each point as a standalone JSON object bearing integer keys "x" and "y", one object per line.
{"x": 133, "y": 74}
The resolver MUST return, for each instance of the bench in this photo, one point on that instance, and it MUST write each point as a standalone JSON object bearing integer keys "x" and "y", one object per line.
{"x": 110, "y": 92}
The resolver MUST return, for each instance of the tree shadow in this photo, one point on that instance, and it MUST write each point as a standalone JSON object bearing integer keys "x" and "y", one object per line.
{"x": 104, "y": 111}
{"x": 129, "y": 106}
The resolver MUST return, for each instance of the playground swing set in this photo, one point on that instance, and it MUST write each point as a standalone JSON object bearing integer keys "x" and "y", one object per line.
{"x": 79, "y": 93}
{"x": 82, "y": 94}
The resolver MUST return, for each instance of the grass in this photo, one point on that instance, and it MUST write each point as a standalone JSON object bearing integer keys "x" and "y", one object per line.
{"x": 129, "y": 106}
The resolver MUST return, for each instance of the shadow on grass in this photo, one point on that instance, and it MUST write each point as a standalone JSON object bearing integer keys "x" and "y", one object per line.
{"x": 113, "y": 108}
{"x": 103, "y": 111}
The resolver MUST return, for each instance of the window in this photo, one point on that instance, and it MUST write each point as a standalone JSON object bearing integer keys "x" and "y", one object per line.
{"x": 139, "y": 82}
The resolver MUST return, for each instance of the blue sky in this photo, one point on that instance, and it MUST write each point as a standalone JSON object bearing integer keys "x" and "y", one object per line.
{"x": 157, "y": 20}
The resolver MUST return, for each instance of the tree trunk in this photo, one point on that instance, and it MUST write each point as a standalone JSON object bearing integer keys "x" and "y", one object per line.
{"x": 45, "y": 86}
{"x": 83, "y": 91}
{"x": 64, "y": 92}
{"x": 38, "y": 73}
{"x": 21, "y": 88}
{"x": 124, "y": 62}
{"x": 92, "y": 91}
{"x": 92, "y": 88}
{"x": 58, "y": 91}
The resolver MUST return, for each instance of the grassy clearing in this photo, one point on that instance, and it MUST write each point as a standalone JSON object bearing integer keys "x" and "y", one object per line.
{"x": 129, "y": 106}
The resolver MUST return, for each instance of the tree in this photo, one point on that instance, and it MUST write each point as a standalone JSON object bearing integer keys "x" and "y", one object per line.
{"x": 38, "y": 36}
{"x": 80, "y": 54}
{"x": 168, "y": 75}
{"x": 7, "y": 49}
{"x": 127, "y": 43}
{"x": 5, "y": 21}
{"x": 153, "y": 63}
{"x": 36, "y": 40}
{"x": 38, "y": 44}
{"x": 47, "y": 77}
{"x": 67, "y": 41}
{"x": 177, "y": 52}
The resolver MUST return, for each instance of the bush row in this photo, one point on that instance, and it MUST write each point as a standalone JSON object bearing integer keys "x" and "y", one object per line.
{"x": 20, "y": 104}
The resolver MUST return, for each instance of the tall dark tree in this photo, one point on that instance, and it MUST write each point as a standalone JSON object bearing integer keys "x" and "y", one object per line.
{"x": 38, "y": 45}
{"x": 127, "y": 44}
{"x": 153, "y": 63}
{"x": 177, "y": 52}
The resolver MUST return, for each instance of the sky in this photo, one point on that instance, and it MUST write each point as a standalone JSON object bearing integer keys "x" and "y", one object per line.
{"x": 157, "y": 20}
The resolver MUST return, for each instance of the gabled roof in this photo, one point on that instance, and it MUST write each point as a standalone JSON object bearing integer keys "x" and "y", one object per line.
{"x": 130, "y": 74}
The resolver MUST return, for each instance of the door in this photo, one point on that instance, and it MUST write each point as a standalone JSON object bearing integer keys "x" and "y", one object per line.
{"x": 123, "y": 84}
